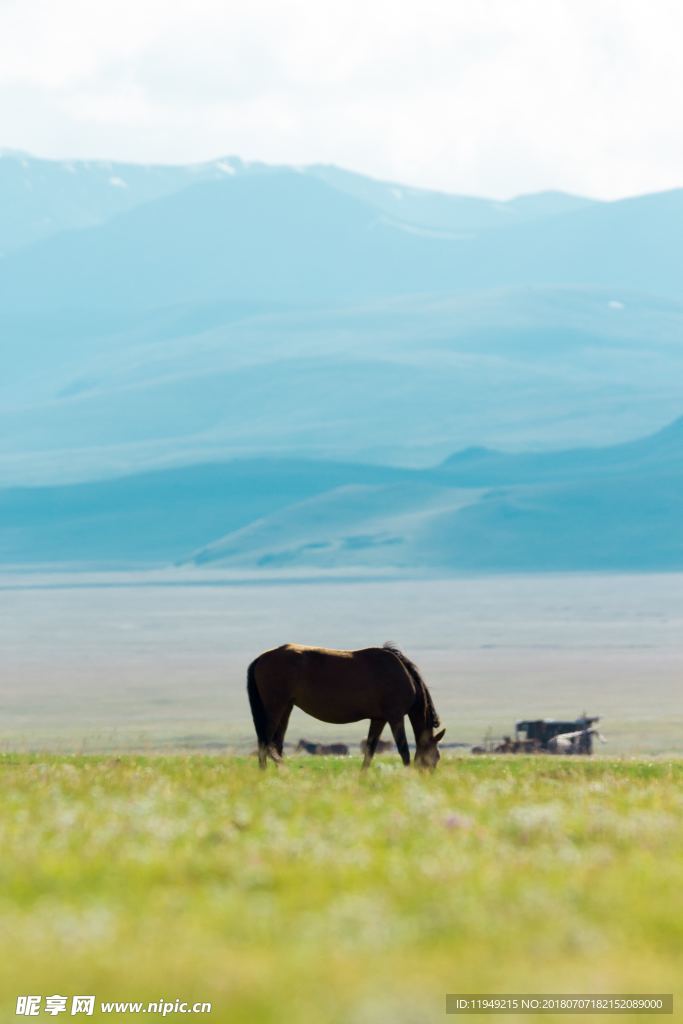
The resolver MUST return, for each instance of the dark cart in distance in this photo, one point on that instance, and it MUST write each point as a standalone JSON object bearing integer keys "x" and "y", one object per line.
{"x": 546, "y": 736}
{"x": 543, "y": 734}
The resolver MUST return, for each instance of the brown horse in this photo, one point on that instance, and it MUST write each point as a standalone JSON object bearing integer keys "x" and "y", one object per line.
{"x": 378, "y": 683}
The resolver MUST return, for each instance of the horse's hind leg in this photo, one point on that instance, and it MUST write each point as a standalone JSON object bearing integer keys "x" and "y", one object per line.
{"x": 279, "y": 737}
{"x": 399, "y": 732}
{"x": 374, "y": 733}
{"x": 278, "y": 718}
{"x": 270, "y": 745}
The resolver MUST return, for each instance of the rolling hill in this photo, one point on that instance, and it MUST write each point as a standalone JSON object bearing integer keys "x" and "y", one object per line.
{"x": 618, "y": 508}
{"x": 404, "y": 381}
{"x": 159, "y": 517}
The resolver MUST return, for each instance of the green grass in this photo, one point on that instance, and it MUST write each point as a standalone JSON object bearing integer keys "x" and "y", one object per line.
{"x": 312, "y": 894}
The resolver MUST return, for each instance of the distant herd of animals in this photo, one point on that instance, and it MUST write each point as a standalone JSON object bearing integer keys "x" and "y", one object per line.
{"x": 340, "y": 749}
{"x": 380, "y": 684}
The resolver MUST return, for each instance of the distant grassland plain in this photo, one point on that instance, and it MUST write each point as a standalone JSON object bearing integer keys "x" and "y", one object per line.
{"x": 125, "y": 662}
{"x": 315, "y": 894}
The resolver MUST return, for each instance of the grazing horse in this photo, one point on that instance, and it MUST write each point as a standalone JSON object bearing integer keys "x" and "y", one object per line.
{"x": 325, "y": 749}
{"x": 378, "y": 683}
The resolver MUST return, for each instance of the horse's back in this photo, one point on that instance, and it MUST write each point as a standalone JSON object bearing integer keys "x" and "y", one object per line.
{"x": 303, "y": 649}
{"x": 372, "y": 662}
{"x": 337, "y": 685}
{"x": 302, "y": 653}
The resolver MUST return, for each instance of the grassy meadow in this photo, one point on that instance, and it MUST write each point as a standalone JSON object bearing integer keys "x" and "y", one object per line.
{"x": 315, "y": 894}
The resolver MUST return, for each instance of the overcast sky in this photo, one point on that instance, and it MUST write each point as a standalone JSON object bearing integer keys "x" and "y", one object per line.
{"x": 492, "y": 97}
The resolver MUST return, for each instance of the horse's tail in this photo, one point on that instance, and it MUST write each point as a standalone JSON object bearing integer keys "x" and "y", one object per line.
{"x": 431, "y": 717}
{"x": 258, "y": 712}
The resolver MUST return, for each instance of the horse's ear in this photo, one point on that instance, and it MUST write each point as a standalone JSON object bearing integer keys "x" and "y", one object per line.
{"x": 439, "y": 736}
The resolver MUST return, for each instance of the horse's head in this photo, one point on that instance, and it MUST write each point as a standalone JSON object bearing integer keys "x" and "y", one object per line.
{"x": 427, "y": 752}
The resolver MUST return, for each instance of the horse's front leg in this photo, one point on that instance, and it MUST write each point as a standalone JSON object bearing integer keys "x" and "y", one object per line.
{"x": 374, "y": 733}
{"x": 399, "y": 733}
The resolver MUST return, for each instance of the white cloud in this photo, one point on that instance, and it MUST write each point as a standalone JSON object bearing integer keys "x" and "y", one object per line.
{"x": 481, "y": 96}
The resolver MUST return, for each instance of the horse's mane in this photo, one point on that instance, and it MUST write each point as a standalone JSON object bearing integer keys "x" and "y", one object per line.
{"x": 431, "y": 717}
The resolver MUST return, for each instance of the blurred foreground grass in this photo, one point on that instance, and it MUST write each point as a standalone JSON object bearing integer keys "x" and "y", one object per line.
{"x": 312, "y": 894}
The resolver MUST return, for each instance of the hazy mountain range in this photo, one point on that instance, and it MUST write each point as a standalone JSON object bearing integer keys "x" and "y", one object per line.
{"x": 44, "y": 197}
{"x": 264, "y": 350}
{"x": 291, "y": 237}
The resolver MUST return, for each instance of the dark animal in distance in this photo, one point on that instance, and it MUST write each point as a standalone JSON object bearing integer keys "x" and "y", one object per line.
{"x": 383, "y": 746}
{"x": 338, "y": 749}
{"x": 517, "y": 746}
{"x": 379, "y": 683}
